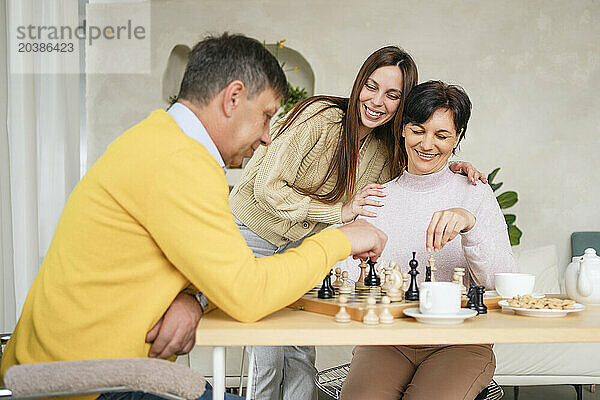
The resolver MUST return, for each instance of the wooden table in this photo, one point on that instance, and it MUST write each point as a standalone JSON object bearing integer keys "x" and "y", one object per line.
{"x": 292, "y": 327}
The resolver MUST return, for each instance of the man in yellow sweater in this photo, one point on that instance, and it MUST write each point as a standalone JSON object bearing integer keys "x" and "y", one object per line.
{"x": 151, "y": 218}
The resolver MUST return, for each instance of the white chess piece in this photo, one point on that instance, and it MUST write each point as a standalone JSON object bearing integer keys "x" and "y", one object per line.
{"x": 342, "y": 315}
{"x": 460, "y": 273}
{"x": 338, "y": 282}
{"x": 405, "y": 281}
{"x": 431, "y": 263}
{"x": 360, "y": 284}
{"x": 388, "y": 277}
{"x": 394, "y": 291}
{"x": 346, "y": 287}
{"x": 386, "y": 316}
{"x": 370, "y": 317}
{"x": 394, "y": 265}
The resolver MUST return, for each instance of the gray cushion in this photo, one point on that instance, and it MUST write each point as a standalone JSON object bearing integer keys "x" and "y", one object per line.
{"x": 143, "y": 374}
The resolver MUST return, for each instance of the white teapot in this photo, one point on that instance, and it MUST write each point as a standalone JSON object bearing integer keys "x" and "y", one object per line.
{"x": 582, "y": 278}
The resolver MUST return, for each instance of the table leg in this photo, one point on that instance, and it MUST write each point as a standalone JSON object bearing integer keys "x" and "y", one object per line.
{"x": 218, "y": 373}
{"x": 250, "y": 374}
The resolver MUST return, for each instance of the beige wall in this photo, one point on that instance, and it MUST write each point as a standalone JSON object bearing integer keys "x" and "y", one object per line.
{"x": 531, "y": 69}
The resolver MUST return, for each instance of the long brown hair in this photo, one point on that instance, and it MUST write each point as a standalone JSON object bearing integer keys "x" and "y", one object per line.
{"x": 345, "y": 162}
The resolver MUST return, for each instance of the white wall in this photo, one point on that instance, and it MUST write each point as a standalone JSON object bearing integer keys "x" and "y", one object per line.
{"x": 7, "y": 295}
{"x": 531, "y": 69}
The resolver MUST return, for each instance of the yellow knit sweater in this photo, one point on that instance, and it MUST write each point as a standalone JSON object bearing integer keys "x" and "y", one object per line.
{"x": 264, "y": 199}
{"x": 149, "y": 218}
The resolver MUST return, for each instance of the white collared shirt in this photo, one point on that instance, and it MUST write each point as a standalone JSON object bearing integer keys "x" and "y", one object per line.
{"x": 189, "y": 123}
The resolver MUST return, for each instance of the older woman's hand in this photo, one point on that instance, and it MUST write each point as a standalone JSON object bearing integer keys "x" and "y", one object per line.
{"x": 445, "y": 225}
{"x": 466, "y": 168}
{"x": 354, "y": 207}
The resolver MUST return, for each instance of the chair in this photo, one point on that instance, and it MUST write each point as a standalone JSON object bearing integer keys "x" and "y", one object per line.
{"x": 582, "y": 240}
{"x": 3, "y": 340}
{"x": 69, "y": 378}
{"x": 330, "y": 381}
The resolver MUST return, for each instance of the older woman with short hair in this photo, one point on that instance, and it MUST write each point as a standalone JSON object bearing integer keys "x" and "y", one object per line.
{"x": 430, "y": 209}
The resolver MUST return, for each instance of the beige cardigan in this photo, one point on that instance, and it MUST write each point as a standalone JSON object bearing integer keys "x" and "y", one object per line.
{"x": 264, "y": 199}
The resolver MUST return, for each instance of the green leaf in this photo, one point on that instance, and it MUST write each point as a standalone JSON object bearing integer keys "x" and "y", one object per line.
{"x": 514, "y": 234}
{"x": 507, "y": 199}
{"x": 492, "y": 175}
{"x": 496, "y": 186}
{"x": 510, "y": 219}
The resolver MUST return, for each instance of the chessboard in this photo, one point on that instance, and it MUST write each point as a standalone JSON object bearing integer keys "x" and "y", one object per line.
{"x": 357, "y": 303}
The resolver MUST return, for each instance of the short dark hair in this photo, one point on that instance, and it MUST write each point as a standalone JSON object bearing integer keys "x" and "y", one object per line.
{"x": 425, "y": 98}
{"x": 217, "y": 61}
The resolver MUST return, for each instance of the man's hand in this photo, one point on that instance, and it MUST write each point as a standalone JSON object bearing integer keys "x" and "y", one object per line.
{"x": 367, "y": 241}
{"x": 175, "y": 332}
{"x": 466, "y": 168}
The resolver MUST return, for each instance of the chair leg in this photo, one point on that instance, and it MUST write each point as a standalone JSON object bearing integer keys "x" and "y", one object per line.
{"x": 242, "y": 371}
{"x": 578, "y": 389}
{"x": 516, "y": 392}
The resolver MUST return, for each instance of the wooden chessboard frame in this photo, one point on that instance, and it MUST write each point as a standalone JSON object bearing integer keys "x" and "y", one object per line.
{"x": 357, "y": 303}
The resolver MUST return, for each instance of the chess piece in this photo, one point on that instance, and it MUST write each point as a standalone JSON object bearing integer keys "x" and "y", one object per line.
{"x": 372, "y": 279}
{"x": 342, "y": 315}
{"x": 386, "y": 316}
{"x": 405, "y": 281}
{"x": 394, "y": 265}
{"x": 346, "y": 287}
{"x": 326, "y": 291}
{"x": 395, "y": 291}
{"x": 338, "y": 281}
{"x": 460, "y": 274}
{"x": 479, "y": 306}
{"x": 471, "y": 294}
{"x": 363, "y": 273}
{"x": 430, "y": 270}
{"x": 388, "y": 277}
{"x": 381, "y": 268}
{"x": 413, "y": 290}
{"x": 370, "y": 317}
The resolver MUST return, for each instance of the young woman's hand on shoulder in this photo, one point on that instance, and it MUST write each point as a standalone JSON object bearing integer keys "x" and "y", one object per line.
{"x": 355, "y": 206}
{"x": 466, "y": 168}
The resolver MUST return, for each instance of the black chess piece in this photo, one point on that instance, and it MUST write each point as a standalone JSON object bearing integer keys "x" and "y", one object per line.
{"x": 479, "y": 305}
{"x": 413, "y": 290}
{"x": 372, "y": 279}
{"x": 428, "y": 274}
{"x": 326, "y": 291}
{"x": 471, "y": 295}
{"x": 329, "y": 282}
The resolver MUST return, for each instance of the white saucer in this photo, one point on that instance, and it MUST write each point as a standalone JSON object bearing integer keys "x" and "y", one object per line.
{"x": 493, "y": 293}
{"x": 536, "y": 312}
{"x": 440, "y": 319}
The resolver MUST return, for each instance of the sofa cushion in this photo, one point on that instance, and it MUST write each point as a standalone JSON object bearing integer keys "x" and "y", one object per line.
{"x": 543, "y": 263}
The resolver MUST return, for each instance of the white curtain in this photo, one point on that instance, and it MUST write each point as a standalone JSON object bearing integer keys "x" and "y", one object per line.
{"x": 39, "y": 156}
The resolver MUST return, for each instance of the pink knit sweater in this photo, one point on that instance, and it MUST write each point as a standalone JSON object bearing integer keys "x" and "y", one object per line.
{"x": 408, "y": 207}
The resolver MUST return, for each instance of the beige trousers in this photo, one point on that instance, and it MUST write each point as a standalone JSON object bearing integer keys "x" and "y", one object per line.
{"x": 455, "y": 372}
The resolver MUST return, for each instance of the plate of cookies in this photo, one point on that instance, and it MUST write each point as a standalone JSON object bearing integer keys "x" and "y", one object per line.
{"x": 544, "y": 307}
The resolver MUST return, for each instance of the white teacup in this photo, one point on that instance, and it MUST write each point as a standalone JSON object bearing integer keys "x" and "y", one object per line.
{"x": 510, "y": 284}
{"x": 439, "y": 298}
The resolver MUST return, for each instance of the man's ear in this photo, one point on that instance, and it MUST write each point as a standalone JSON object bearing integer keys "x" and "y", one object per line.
{"x": 233, "y": 94}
